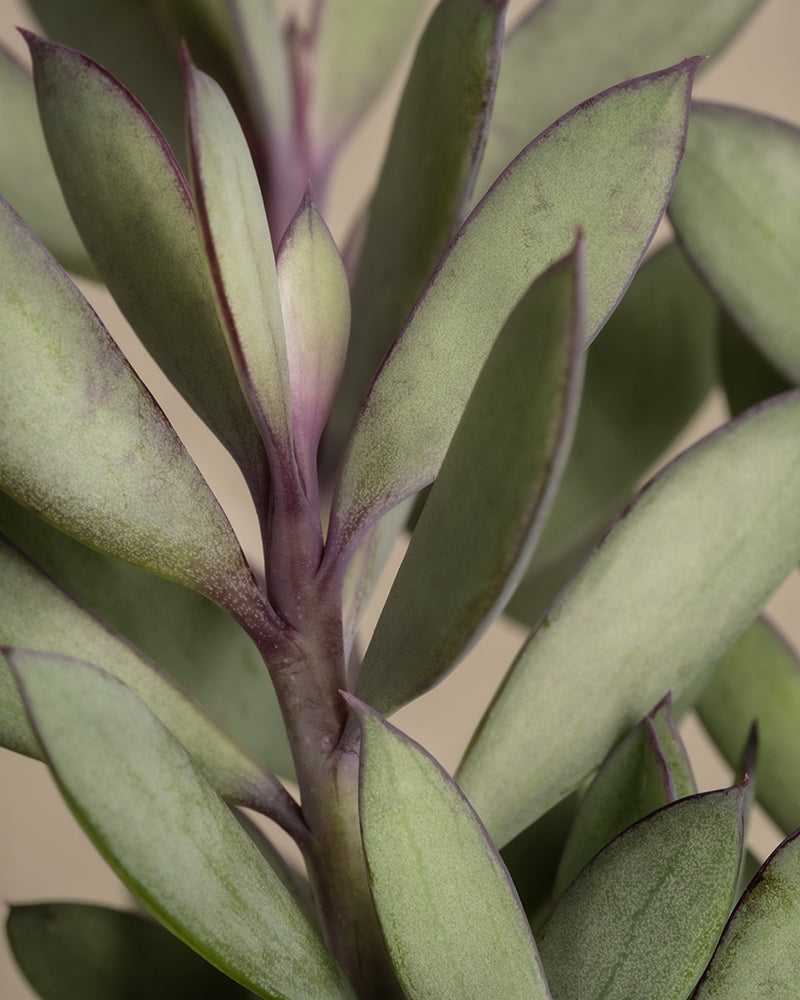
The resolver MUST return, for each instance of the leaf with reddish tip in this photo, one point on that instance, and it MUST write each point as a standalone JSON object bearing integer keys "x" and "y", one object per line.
{"x": 492, "y": 494}
{"x": 608, "y": 168}
{"x": 315, "y": 302}
{"x": 663, "y": 595}
{"x": 736, "y": 209}
{"x": 451, "y": 919}
{"x": 133, "y": 209}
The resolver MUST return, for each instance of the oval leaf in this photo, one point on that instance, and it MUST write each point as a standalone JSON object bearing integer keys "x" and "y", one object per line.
{"x": 736, "y": 210}
{"x": 575, "y": 175}
{"x": 491, "y": 496}
{"x": 449, "y": 914}
{"x": 643, "y": 917}
{"x": 674, "y": 582}
{"x": 169, "y": 837}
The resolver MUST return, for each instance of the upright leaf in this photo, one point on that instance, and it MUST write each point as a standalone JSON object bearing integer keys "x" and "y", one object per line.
{"x": 674, "y": 582}
{"x": 736, "y": 210}
{"x": 491, "y": 496}
{"x": 448, "y": 911}
{"x": 168, "y": 836}
{"x": 607, "y": 167}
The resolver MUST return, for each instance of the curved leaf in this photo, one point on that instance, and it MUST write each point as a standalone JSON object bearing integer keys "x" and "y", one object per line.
{"x": 759, "y": 952}
{"x": 492, "y": 494}
{"x": 674, "y": 582}
{"x": 72, "y": 951}
{"x": 736, "y": 209}
{"x": 564, "y": 51}
{"x": 449, "y": 914}
{"x": 168, "y": 836}
{"x": 644, "y": 916}
{"x": 133, "y": 209}
{"x": 759, "y": 678}
{"x": 586, "y": 171}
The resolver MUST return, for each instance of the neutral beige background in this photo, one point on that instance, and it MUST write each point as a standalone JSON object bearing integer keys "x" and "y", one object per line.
{"x": 43, "y": 855}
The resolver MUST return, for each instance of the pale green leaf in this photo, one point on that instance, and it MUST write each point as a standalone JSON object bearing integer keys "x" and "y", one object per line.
{"x": 759, "y": 953}
{"x": 736, "y": 209}
{"x": 671, "y": 586}
{"x": 642, "y": 919}
{"x": 84, "y": 444}
{"x": 449, "y": 914}
{"x": 758, "y": 678}
{"x": 133, "y": 209}
{"x": 72, "y": 951}
{"x": 607, "y": 167}
{"x": 27, "y": 179}
{"x": 564, "y": 51}
{"x": 491, "y": 496}
{"x": 169, "y": 836}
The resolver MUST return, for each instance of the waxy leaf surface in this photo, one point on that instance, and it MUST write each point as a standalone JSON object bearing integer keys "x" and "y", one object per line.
{"x": 448, "y": 911}
{"x": 675, "y": 581}
{"x": 565, "y": 51}
{"x": 169, "y": 837}
{"x": 759, "y": 678}
{"x": 736, "y": 210}
{"x": 490, "y": 499}
{"x": 608, "y": 168}
{"x": 642, "y": 919}
{"x": 73, "y": 951}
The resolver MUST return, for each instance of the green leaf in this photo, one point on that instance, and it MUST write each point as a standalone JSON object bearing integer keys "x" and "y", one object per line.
{"x": 448, "y": 911}
{"x": 27, "y": 178}
{"x": 646, "y": 376}
{"x": 169, "y": 837}
{"x": 564, "y": 51}
{"x": 747, "y": 377}
{"x": 72, "y": 951}
{"x": 425, "y": 182}
{"x": 84, "y": 444}
{"x": 736, "y": 209}
{"x": 374, "y": 36}
{"x": 642, "y": 919}
{"x": 607, "y": 167}
{"x": 491, "y": 496}
{"x": 675, "y": 581}
{"x": 133, "y": 209}
{"x": 38, "y": 614}
{"x": 182, "y": 631}
{"x": 759, "y": 952}
{"x": 759, "y": 678}
{"x": 634, "y": 781}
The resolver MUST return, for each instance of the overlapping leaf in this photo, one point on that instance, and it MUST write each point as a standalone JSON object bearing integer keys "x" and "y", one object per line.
{"x": 746, "y": 375}
{"x": 674, "y": 582}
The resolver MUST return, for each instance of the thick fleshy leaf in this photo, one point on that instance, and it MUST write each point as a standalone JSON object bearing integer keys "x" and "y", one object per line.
{"x": 133, "y": 209}
{"x": 37, "y": 614}
{"x": 425, "y": 183}
{"x": 375, "y": 37}
{"x": 644, "y": 916}
{"x": 72, "y": 951}
{"x": 315, "y": 302}
{"x": 491, "y": 496}
{"x": 607, "y": 167}
{"x": 565, "y": 51}
{"x": 27, "y": 178}
{"x": 759, "y": 952}
{"x": 169, "y": 836}
{"x": 759, "y": 678}
{"x": 448, "y": 910}
{"x": 676, "y": 580}
{"x": 635, "y": 780}
{"x": 736, "y": 209}
{"x": 85, "y": 445}
{"x": 182, "y": 631}
{"x": 646, "y": 376}
{"x": 746, "y": 375}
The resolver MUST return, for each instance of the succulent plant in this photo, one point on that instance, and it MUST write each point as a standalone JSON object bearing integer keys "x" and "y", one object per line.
{"x": 492, "y": 360}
